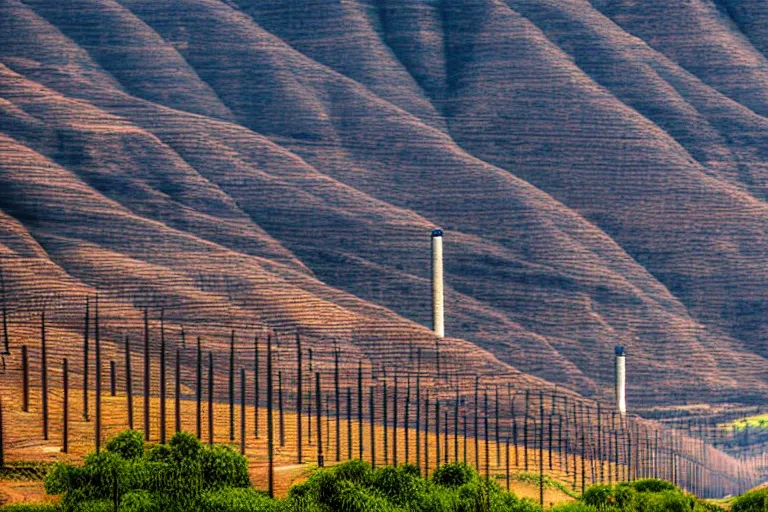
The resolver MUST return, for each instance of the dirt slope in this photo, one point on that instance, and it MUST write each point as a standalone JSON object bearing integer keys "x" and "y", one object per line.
{"x": 600, "y": 172}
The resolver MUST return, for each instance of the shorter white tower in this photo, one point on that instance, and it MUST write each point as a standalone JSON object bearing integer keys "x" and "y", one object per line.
{"x": 438, "y": 316}
{"x": 621, "y": 380}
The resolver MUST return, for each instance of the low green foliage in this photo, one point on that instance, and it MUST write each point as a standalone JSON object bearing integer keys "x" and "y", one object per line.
{"x": 186, "y": 476}
{"x": 131, "y": 476}
{"x": 753, "y": 501}
{"x": 25, "y": 470}
{"x": 646, "y": 495}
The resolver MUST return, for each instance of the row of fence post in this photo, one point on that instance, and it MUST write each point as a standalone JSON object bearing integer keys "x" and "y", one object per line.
{"x": 624, "y": 454}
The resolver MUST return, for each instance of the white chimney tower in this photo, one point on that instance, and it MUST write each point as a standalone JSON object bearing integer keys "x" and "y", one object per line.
{"x": 438, "y": 316}
{"x": 621, "y": 380}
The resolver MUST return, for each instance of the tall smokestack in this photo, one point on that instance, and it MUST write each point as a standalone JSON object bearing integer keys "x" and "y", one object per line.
{"x": 621, "y": 380}
{"x": 438, "y": 317}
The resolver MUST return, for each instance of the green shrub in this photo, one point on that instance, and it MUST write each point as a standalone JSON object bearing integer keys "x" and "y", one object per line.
{"x": 355, "y": 471}
{"x": 454, "y": 475}
{"x": 158, "y": 453}
{"x": 354, "y": 498}
{"x": 185, "y": 446}
{"x": 398, "y": 485}
{"x": 666, "y": 501}
{"x": 653, "y": 485}
{"x": 128, "y": 444}
{"x": 31, "y": 508}
{"x": 753, "y": 501}
{"x": 599, "y": 496}
{"x": 575, "y": 507}
{"x": 140, "y": 501}
{"x": 238, "y": 500}
{"x": 222, "y": 467}
{"x": 625, "y": 497}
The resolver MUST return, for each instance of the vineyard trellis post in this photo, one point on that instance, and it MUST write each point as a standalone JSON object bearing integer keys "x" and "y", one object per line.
{"x": 65, "y": 408}
{"x": 162, "y": 378}
{"x": 86, "y": 361}
{"x": 485, "y": 434}
{"x": 336, "y": 401}
{"x": 477, "y": 422}
{"x": 426, "y": 434}
{"x": 242, "y": 411}
{"x": 525, "y": 427}
{"x": 372, "y": 422}
{"x": 112, "y": 379}
{"x": 299, "y": 398}
{"x": 25, "y": 378}
{"x": 496, "y": 427}
{"x": 97, "y": 341}
{"x": 394, "y": 423}
{"x": 129, "y": 382}
{"x": 360, "y": 433}
{"x": 456, "y": 426}
{"x": 407, "y": 418}
{"x": 349, "y": 423}
{"x": 280, "y": 415}
{"x": 210, "y": 398}
{"x": 44, "y": 375}
{"x": 256, "y": 390}
{"x": 319, "y": 410}
{"x": 232, "y": 386}
{"x": 270, "y": 422}
{"x": 541, "y": 448}
{"x": 199, "y": 390}
{"x": 2, "y": 437}
{"x": 147, "y": 380}
{"x": 177, "y": 391}
{"x": 418, "y": 407}
{"x": 385, "y": 420}
{"x": 437, "y": 431}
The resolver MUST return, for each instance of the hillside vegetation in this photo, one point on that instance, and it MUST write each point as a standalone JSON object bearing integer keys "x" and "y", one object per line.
{"x": 188, "y": 476}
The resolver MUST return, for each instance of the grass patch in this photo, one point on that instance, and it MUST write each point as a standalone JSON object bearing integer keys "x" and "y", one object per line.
{"x": 23, "y": 471}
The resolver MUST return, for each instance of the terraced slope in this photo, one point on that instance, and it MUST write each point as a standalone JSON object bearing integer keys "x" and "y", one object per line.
{"x": 600, "y": 169}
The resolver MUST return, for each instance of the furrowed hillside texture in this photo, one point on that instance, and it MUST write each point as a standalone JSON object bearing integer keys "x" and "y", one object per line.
{"x": 600, "y": 169}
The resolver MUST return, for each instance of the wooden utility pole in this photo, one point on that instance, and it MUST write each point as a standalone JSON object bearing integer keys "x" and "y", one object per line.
{"x": 65, "y": 410}
{"x": 270, "y": 421}
{"x": 319, "y": 409}
{"x": 86, "y": 361}
{"x": 177, "y": 391}
{"x": 299, "y": 404}
{"x": 44, "y": 375}
{"x": 199, "y": 390}
{"x": 210, "y": 399}
{"x": 128, "y": 382}
{"x": 162, "y": 378}
{"x": 147, "y": 391}
{"x": 360, "y": 408}
{"x": 232, "y": 387}
{"x": 242, "y": 411}
{"x": 97, "y": 339}
{"x": 25, "y": 378}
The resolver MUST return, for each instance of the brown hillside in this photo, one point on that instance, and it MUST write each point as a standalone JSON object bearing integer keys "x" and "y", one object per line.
{"x": 600, "y": 169}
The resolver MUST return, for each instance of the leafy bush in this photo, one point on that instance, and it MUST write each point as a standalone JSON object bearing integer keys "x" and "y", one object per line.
{"x": 653, "y": 485}
{"x": 31, "y": 508}
{"x": 223, "y": 467}
{"x": 238, "y": 500}
{"x": 129, "y": 445}
{"x": 454, "y": 475}
{"x": 599, "y": 496}
{"x": 753, "y": 501}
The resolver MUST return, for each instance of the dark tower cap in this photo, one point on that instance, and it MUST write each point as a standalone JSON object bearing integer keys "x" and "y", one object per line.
{"x": 437, "y": 232}
{"x": 619, "y": 350}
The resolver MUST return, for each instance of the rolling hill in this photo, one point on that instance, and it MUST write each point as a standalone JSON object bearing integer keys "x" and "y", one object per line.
{"x": 600, "y": 169}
